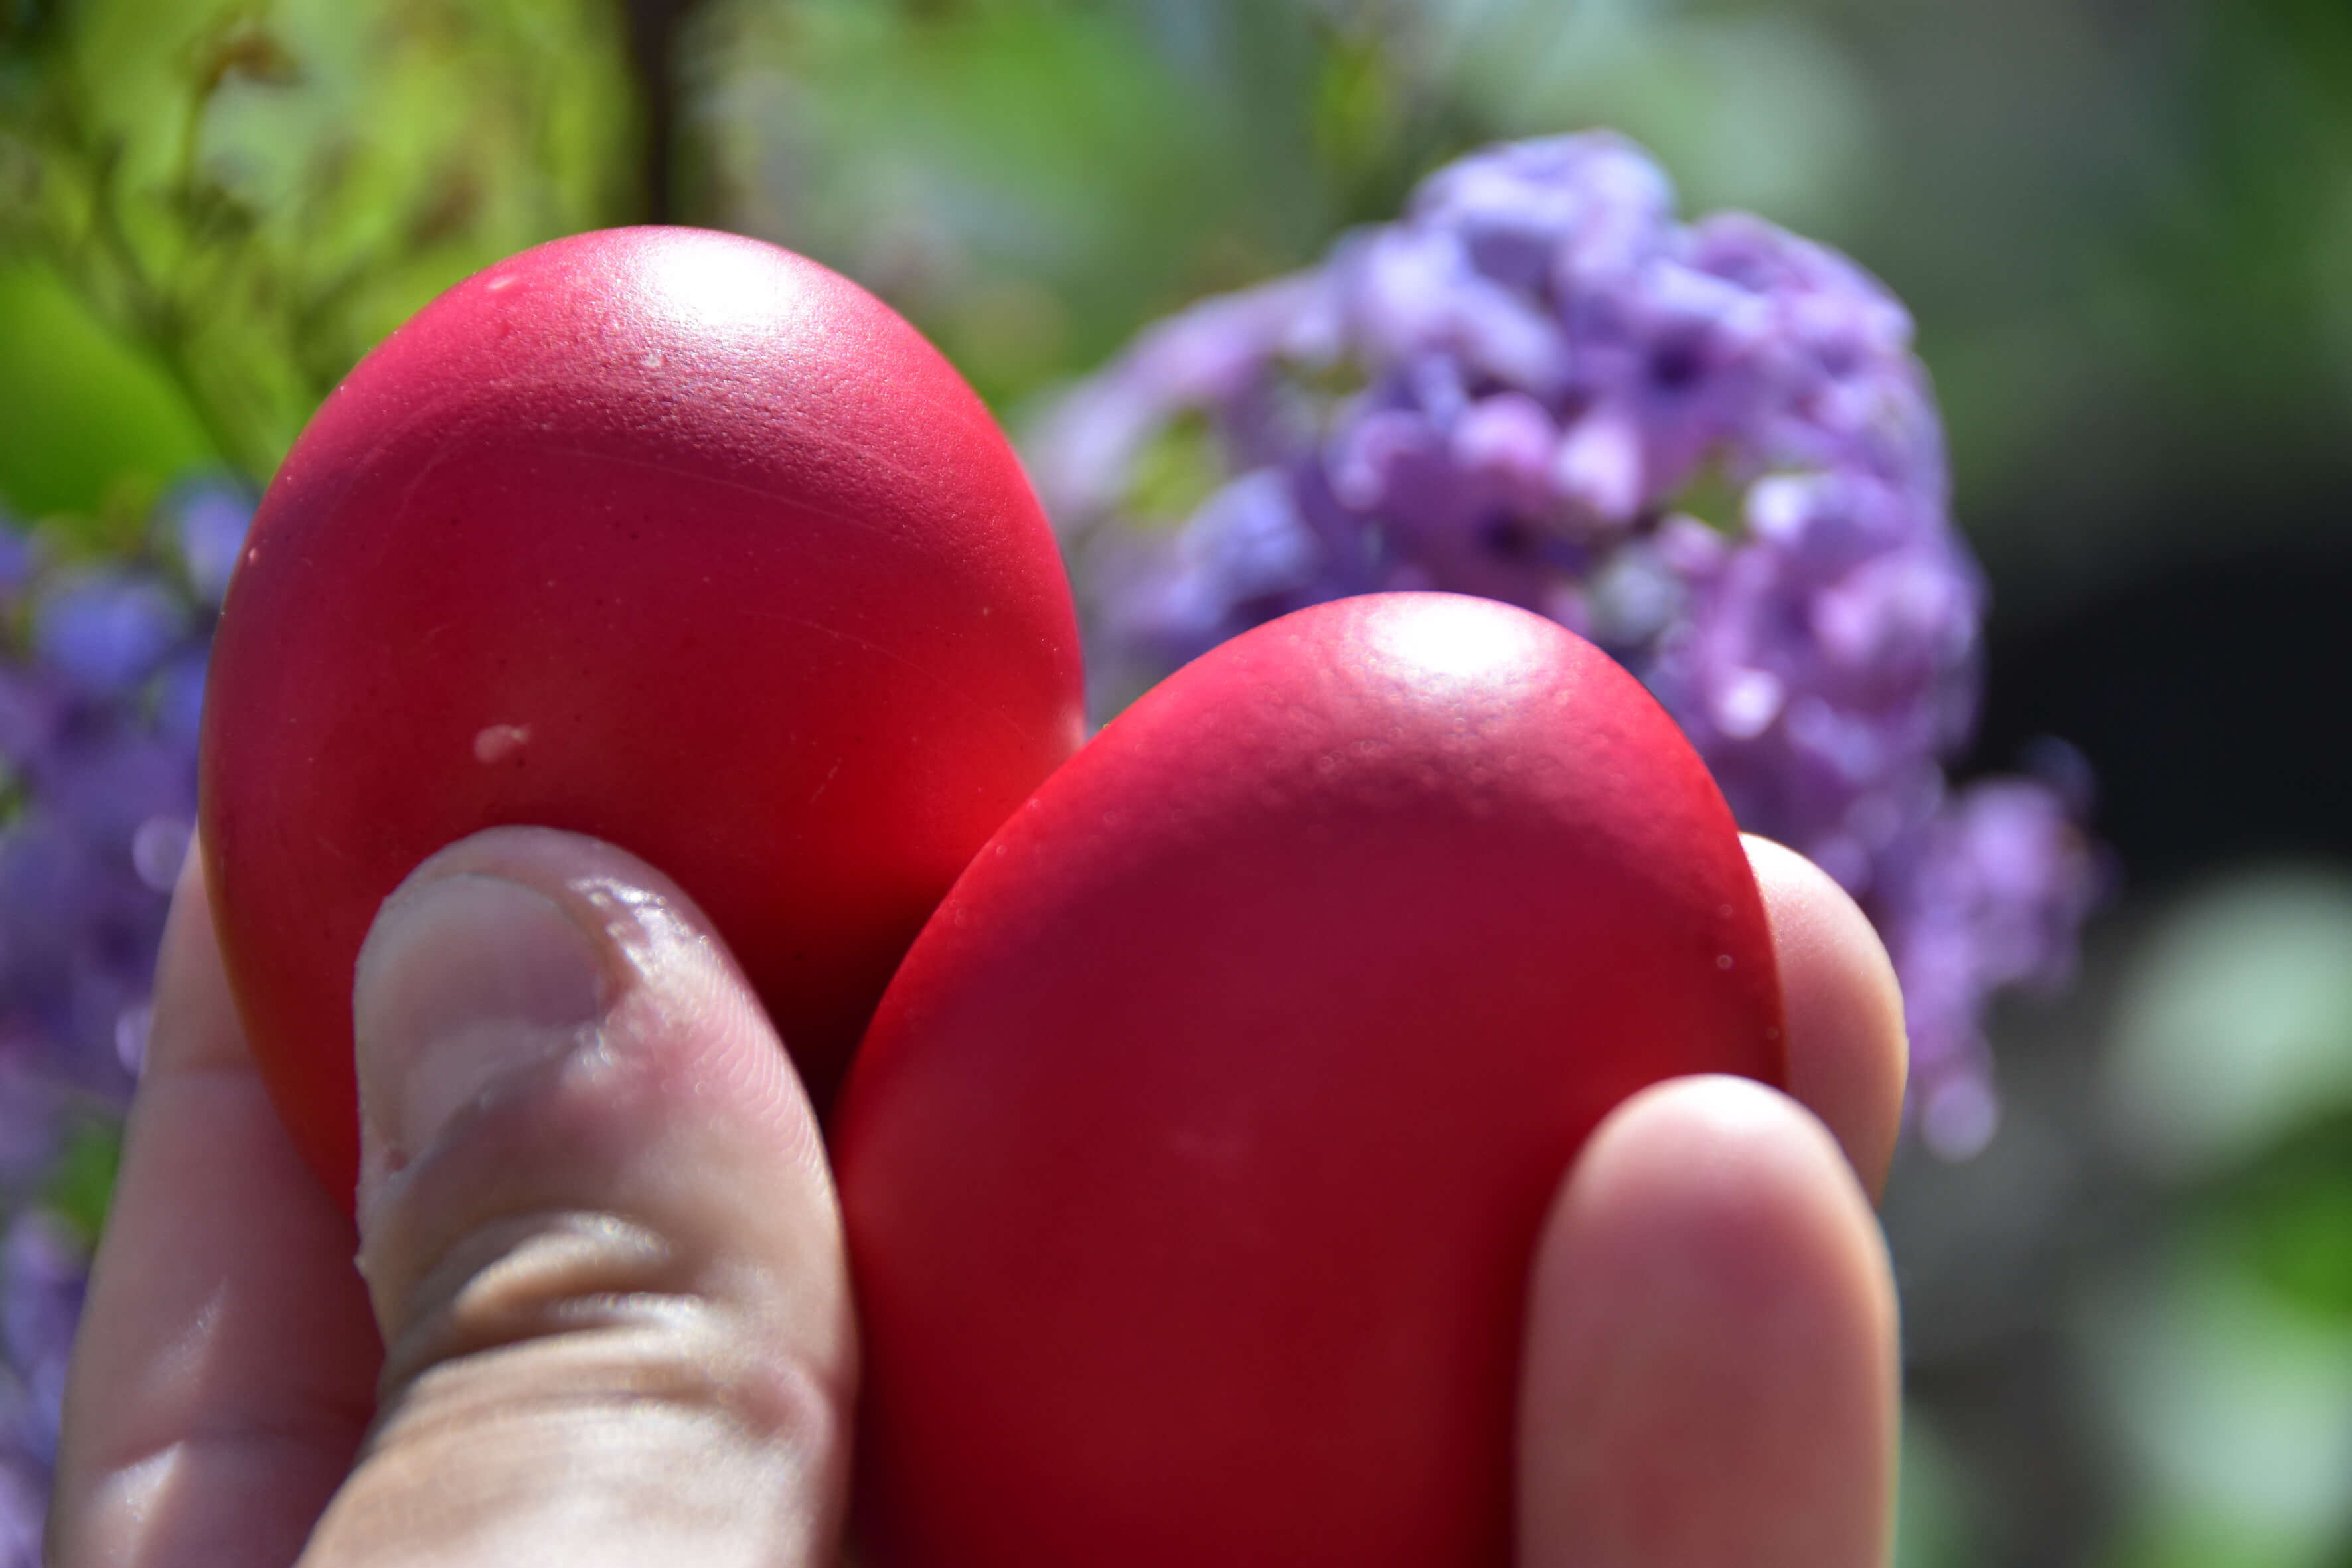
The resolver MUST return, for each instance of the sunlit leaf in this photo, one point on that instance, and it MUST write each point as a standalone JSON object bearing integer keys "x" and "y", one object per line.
{"x": 90, "y": 415}
{"x": 259, "y": 192}
{"x": 82, "y": 1179}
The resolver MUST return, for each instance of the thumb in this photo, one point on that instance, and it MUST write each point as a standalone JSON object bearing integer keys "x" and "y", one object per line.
{"x": 597, "y": 1229}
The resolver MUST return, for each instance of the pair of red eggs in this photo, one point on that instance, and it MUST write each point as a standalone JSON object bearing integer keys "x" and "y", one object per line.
{"x": 1214, "y": 1079}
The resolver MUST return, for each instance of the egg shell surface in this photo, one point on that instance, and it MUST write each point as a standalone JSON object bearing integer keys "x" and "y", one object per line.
{"x": 1193, "y": 1164}
{"x": 670, "y": 537}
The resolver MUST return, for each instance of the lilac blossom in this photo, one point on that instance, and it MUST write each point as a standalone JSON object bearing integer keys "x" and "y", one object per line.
{"x": 1709, "y": 447}
{"x": 98, "y": 699}
{"x": 44, "y": 1271}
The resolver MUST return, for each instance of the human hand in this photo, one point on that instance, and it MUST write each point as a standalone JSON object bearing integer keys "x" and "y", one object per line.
{"x": 600, "y": 1241}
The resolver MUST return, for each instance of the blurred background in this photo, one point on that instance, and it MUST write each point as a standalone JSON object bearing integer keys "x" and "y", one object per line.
{"x": 2124, "y": 229}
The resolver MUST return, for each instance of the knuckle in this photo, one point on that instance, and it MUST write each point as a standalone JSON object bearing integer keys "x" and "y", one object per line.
{"x": 595, "y": 1316}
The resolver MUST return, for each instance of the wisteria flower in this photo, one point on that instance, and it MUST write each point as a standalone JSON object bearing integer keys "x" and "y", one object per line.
{"x": 98, "y": 703}
{"x": 1709, "y": 447}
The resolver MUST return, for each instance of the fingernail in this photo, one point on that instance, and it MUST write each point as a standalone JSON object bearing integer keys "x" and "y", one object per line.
{"x": 462, "y": 982}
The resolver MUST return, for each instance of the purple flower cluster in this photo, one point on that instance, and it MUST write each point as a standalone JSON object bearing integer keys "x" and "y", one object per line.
{"x": 102, "y": 681}
{"x": 44, "y": 1268}
{"x": 1707, "y": 447}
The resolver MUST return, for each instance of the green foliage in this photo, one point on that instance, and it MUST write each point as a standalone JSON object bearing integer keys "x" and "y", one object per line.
{"x": 1178, "y": 470}
{"x": 1030, "y": 181}
{"x": 82, "y": 1180}
{"x": 2288, "y": 1216}
{"x": 94, "y": 425}
{"x": 2248, "y": 244}
{"x": 2186, "y": 1536}
{"x": 1714, "y": 496}
{"x": 255, "y": 192}
{"x": 1932, "y": 1505}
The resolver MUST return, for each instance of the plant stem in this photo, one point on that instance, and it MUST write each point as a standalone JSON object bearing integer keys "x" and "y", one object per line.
{"x": 654, "y": 29}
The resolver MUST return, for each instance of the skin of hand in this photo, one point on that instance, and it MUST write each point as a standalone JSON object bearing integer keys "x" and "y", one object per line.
{"x": 602, "y": 1311}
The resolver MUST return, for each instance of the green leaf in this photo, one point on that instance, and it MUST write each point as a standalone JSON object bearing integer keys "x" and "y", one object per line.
{"x": 2287, "y": 1213}
{"x": 81, "y": 1183}
{"x": 258, "y": 192}
{"x": 1025, "y": 181}
{"x": 94, "y": 425}
{"x": 1181, "y": 468}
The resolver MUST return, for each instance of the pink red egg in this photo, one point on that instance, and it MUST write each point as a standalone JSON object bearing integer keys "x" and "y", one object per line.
{"x": 670, "y": 537}
{"x": 1194, "y": 1161}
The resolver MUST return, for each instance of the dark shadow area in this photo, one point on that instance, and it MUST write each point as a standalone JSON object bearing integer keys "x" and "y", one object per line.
{"x": 2209, "y": 698}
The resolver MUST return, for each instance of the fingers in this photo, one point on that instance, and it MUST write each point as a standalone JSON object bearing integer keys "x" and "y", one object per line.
{"x": 224, "y": 1368}
{"x": 1847, "y": 1053}
{"x": 602, "y": 1244}
{"x": 1710, "y": 1376}
{"x": 598, "y": 1232}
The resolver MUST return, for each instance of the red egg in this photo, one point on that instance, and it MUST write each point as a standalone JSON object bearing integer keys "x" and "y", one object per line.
{"x": 670, "y": 537}
{"x": 1194, "y": 1161}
